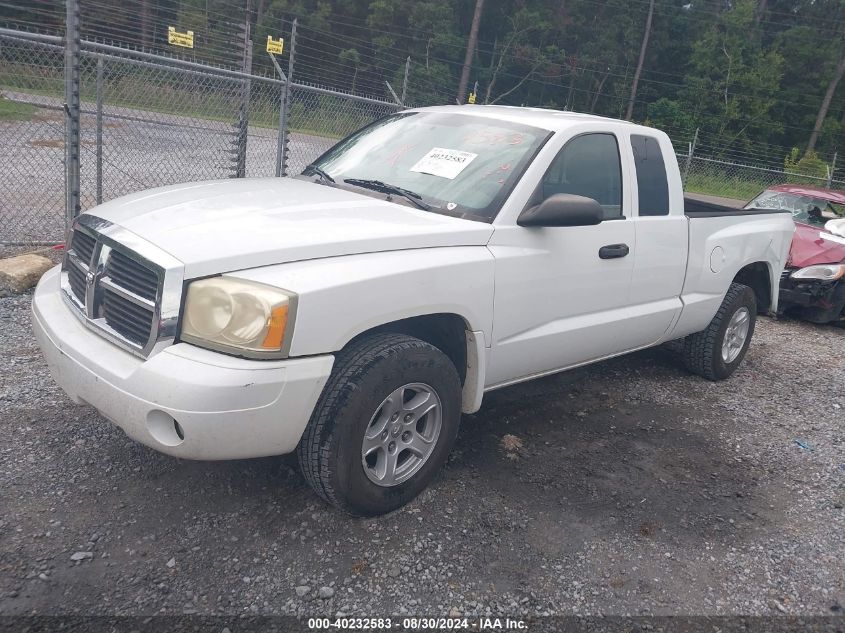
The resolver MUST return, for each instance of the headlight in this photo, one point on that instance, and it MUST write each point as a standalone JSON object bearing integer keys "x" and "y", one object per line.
{"x": 236, "y": 316}
{"x": 823, "y": 272}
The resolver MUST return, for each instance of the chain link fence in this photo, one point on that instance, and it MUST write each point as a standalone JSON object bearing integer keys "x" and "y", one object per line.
{"x": 742, "y": 182}
{"x": 147, "y": 120}
{"x": 32, "y": 128}
{"x": 319, "y": 118}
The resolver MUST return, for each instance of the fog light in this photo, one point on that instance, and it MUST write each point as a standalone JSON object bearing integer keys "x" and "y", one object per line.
{"x": 164, "y": 429}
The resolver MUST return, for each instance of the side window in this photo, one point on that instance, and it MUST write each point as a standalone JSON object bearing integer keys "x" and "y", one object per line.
{"x": 588, "y": 165}
{"x": 651, "y": 175}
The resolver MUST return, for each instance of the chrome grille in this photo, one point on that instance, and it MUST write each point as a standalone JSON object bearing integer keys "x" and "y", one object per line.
{"x": 127, "y": 318}
{"x": 76, "y": 278}
{"x": 83, "y": 245}
{"x": 127, "y": 273}
{"x": 122, "y": 287}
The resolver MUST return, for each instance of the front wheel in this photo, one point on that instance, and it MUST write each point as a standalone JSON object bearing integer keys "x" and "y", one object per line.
{"x": 383, "y": 426}
{"x": 718, "y": 350}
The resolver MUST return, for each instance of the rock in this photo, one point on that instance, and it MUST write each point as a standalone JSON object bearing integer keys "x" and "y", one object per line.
{"x": 454, "y": 613}
{"x": 301, "y": 590}
{"x": 393, "y": 572}
{"x": 326, "y": 592}
{"x": 171, "y": 563}
{"x": 81, "y": 555}
{"x": 17, "y": 274}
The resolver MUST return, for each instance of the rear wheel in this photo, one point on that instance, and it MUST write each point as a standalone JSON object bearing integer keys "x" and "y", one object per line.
{"x": 718, "y": 350}
{"x": 383, "y": 426}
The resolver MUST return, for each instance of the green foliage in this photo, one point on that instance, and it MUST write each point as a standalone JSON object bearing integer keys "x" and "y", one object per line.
{"x": 809, "y": 168}
{"x": 733, "y": 81}
{"x": 748, "y": 81}
{"x": 717, "y": 183}
{"x": 669, "y": 115}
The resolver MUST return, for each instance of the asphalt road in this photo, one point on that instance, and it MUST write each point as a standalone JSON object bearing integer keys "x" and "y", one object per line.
{"x": 141, "y": 150}
{"x": 629, "y": 487}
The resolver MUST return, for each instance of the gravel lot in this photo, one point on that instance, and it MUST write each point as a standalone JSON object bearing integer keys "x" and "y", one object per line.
{"x": 626, "y": 488}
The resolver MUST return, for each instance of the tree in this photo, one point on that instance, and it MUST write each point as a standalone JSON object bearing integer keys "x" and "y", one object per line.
{"x": 472, "y": 42}
{"x": 733, "y": 82}
{"x": 350, "y": 57}
{"x": 643, "y": 50}
{"x": 828, "y": 97}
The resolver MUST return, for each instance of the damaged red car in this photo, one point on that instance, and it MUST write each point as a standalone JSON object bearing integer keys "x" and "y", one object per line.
{"x": 813, "y": 284}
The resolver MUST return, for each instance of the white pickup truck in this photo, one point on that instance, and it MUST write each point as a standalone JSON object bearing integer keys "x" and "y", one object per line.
{"x": 352, "y": 313}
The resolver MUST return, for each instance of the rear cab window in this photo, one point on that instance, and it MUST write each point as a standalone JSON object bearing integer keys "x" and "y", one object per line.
{"x": 652, "y": 184}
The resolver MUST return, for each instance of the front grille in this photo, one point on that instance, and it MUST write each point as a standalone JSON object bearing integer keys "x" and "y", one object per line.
{"x": 128, "y": 319}
{"x": 132, "y": 275}
{"x": 83, "y": 245}
{"x": 76, "y": 278}
{"x": 118, "y": 291}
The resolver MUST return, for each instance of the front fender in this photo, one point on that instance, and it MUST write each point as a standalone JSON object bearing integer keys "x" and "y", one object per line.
{"x": 342, "y": 297}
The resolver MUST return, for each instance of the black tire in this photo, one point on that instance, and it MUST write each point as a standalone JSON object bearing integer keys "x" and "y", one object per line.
{"x": 363, "y": 375}
{"x": 703, "y": 350}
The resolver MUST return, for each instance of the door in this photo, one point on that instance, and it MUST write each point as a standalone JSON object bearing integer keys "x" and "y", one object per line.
{"x": 661, "y": 228}
{"x": 558, "y": 302}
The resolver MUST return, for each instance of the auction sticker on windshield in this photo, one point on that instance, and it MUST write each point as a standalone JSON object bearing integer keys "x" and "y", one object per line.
{"x": 446, "y": 163}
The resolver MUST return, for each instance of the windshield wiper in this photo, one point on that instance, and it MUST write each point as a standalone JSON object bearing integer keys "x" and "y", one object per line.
{"x": 313, "y": 169}
{"x": 383, "y": 187}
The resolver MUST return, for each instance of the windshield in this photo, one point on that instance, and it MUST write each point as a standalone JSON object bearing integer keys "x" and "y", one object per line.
{"x": 806, "y": 209}
{"x": 455, "y": 164}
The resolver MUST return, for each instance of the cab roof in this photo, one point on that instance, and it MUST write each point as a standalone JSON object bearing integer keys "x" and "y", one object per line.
{"x": 552, "y": 120}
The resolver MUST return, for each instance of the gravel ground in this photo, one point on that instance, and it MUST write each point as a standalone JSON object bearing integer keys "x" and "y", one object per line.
{"x": 629, "y": 487}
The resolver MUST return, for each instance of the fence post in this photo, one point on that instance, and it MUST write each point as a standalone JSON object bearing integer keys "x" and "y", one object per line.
{"x": 99, "y": 129}
{"x": 830, "y": 170}
{"x": 243, "y": 123}
{"x": 689, "y": 157}
{"x": 284, "y": 107}
{"x": 281, "y": 137}
{"x": 405, "y": 80}
{"x": 243, "y": 114}
{"x": 72, "y": 59}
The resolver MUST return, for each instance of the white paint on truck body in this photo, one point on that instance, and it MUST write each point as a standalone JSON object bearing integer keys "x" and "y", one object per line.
{"x": 533, "y": 300}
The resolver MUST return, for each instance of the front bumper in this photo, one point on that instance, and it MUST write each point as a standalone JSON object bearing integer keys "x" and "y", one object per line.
{"x": 184, "y": 401}
{"x": 815, "y": 301}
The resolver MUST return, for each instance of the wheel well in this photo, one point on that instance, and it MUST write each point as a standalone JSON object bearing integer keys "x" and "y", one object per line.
{"x": 756, "y": 277}
{"x": 447, "y": 332}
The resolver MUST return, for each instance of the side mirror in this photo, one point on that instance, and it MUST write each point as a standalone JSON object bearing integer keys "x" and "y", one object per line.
{"x": 563, "y": 209}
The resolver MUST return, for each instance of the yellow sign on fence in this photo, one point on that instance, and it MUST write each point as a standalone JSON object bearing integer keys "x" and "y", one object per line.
{"x": 275, "y": 46}
{"x": 471, "y": 98}
{"x": 185, "y": 40}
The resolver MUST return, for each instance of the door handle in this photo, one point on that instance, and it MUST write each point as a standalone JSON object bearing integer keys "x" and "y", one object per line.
{"x": 612, "y": 251}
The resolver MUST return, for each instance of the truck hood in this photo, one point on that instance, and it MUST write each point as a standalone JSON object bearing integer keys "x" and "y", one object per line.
{"x": 812, "y": 245}
{"x": 226, "y": 225}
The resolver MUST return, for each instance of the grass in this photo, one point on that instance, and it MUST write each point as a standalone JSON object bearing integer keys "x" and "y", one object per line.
{"x": 260, "y": 117}
{"x": 724, "y": 187}
{"x": 14, "y": 111}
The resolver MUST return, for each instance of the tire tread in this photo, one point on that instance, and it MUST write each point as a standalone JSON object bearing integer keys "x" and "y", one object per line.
{"x": 313, "y": 450}
{"x": 699, "y": 348}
